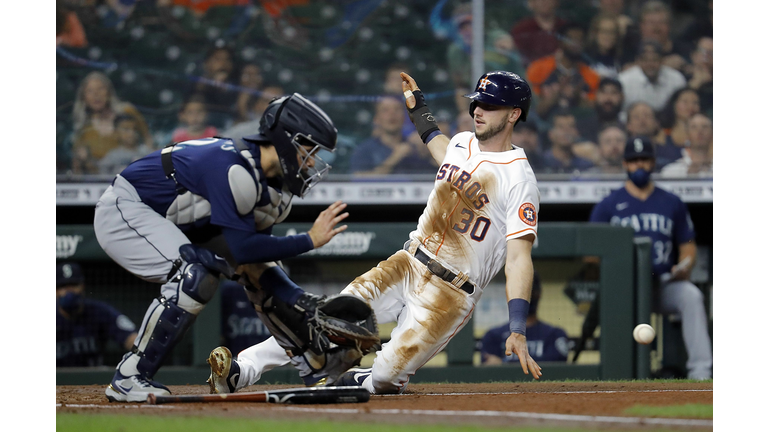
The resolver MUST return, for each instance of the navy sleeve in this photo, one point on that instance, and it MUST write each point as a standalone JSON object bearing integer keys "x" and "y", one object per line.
{"x": 599, "y": 214}
{"x": 556, "y": 346}
{"x": 491, "y": 344}
{"x": 684, "y": 231}
{"x": 249, "y": 247}
{"x": 118, "y": 325}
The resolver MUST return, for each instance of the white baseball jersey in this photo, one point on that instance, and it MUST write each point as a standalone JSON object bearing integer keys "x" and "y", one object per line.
{"x": 480, "y": 200}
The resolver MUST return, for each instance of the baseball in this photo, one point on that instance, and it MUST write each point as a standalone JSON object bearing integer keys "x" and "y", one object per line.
{"x": 644, "y": 334}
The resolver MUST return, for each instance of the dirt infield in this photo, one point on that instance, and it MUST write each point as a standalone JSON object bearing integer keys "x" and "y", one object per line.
{"x": 587, "y": 405}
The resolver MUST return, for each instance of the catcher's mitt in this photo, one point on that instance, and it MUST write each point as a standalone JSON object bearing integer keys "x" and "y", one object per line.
{"x": 347, "y": 321}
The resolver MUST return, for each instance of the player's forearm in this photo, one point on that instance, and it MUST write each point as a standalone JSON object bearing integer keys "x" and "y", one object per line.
{"x": 519, "y": 281}
{"x": 687, "y": 253}
{"x": 254, "y": 247}
{"x": 519, "y": 275}
{"x": 437, "y": 147}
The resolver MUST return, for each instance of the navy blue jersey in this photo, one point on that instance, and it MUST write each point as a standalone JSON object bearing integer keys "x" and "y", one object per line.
{"x": 545, "y": 343}
{"x": 240, "y": 325}
{"x": 663, "y": 217}
{"x": 81, "y": 340}
{"x": 201, "y": 166}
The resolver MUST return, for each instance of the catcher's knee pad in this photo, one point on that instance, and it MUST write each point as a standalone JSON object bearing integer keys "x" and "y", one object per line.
{"x": 200, "y": 255}
{"x": 165, "y": 323}
{"x": 196, "y": 287}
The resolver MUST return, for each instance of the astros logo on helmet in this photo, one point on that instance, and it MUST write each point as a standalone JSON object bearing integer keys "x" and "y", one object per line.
{"x": 483, "y": 82}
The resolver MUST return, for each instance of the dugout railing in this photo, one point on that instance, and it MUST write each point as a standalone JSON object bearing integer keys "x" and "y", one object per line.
{"x": 624, "y": 290}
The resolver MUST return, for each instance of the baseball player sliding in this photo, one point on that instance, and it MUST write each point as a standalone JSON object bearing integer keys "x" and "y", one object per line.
{"x": 482, "y": 215}
{"x": 169, "y": 216}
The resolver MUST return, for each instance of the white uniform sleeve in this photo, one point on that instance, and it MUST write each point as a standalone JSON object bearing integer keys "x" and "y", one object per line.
{"x": 523, "y": 210}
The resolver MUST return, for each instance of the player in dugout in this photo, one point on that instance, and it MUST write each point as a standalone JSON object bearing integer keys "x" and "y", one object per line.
{"x": 189, "y": 214}
{"x": 546, "y": 343}
{"x": 663, "y": 217}
{"x": 481, "y": 216}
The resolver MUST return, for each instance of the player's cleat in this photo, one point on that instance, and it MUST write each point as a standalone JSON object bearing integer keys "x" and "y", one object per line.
{"x": 353, "y": 377}
{"x": 133, "y": 388}
{"x": 225, "y": 372}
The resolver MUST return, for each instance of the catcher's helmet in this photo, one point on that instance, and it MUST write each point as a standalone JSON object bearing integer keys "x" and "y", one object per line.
{"x": 504, "y": 89}
{"x": 289, "y": 123}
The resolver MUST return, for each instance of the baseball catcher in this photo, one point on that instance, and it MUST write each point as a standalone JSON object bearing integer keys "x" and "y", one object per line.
{"x": 186, "y": 216}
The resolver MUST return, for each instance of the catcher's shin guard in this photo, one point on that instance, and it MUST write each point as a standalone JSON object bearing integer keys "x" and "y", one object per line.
{"x": 168, "y": 319}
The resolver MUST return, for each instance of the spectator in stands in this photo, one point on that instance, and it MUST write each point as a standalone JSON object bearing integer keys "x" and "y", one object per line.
{"x": 615, "y": 9}
{"x": 217, "y": 83}
{"x": 697, "y": 155}
{"x": 499, "y": 51}
{"x": 674, "y": 118}
{"x": 240, "y": 325}
{"x": 116, "y": 13}
{"x": 563, "y": 80}
{"x": 526, "y": 135}
{"x": 193, "y": 120}
{"x": 649, "y": 80}
{"x": 251, "y": 81}
{"x": 502, "y": 54}
{"x": 655, "y": 25}
{"x": 386, "y": 152}
{"x": 700, "y": 72}
{"x": 84, "y": 326}
{"x": 603, "y": 49}
{"x": 700, "y": 27}
{"x": 546, "y": 343}
{"x": 392, "y": 86}
{"x": 536, "y": 36}
{"x": 609, "y": 99}
{"x": 610, "y": 144}
{"x": 465, "y": 123}
{"x": 95, "y": 109}
{"x": 256, "y": 105}
{"x": 129, "y": 146}
{"x": 560, "y": 158}
{"x": 69, "y": 29}
{"x": 642, "y": 122}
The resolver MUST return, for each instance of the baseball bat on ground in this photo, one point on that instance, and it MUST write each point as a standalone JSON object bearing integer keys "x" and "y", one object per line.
{"x": 320, "y": 395}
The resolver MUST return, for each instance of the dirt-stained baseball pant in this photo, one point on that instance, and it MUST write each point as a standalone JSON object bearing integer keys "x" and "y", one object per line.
{"x": 686, "y": 299}
{"x": 428, "y": 310}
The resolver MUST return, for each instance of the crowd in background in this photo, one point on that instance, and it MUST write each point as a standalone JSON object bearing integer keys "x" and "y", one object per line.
{"x": 135, "y": 75}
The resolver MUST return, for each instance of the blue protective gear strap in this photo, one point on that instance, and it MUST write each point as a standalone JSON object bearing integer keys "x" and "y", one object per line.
{"x": 518, "y": 314}
{"x": 432, "y": 135}
{"x": 275, "y": 281}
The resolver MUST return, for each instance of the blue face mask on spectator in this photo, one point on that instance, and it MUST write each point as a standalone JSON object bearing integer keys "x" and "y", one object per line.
{"x": 71, "y": 302}
{"x": 640, "y": 177}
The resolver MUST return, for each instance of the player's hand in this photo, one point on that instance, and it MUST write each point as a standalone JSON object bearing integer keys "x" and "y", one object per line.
{"x": 409, "y": 84}
{"x": 516, "y": 343}
{"x": 324, "y": 228}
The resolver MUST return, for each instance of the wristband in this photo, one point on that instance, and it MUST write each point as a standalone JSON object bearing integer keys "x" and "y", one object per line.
{"x": 422, "y": 118}
{"x": 518, "y": 314}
